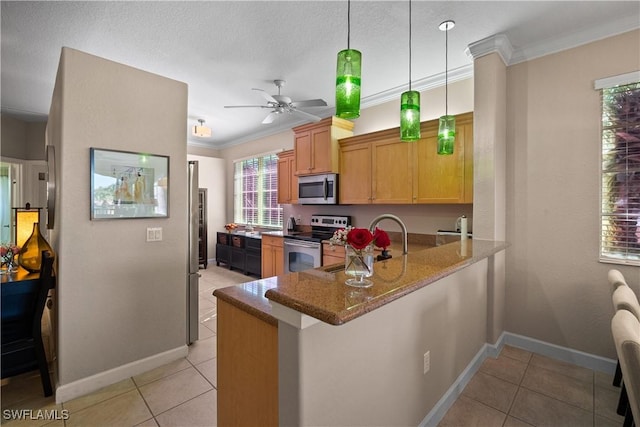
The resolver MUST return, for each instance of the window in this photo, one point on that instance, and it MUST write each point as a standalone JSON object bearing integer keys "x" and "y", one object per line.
{"x": 255, "y": 192}
{"x": 620, "y": 196}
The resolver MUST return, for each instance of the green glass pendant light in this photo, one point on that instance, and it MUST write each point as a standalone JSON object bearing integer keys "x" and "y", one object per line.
{"x": 348, "y": 77}
{"x": 410, "y": 105}
{"x": 447, "y": 123}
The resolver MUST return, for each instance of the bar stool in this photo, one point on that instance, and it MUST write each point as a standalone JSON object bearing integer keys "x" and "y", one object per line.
{"x": 625, "y": 328}
{"x": 617, "y": 280}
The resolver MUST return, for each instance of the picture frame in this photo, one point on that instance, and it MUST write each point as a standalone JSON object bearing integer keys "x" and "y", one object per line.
{"x": 128, "y": 185}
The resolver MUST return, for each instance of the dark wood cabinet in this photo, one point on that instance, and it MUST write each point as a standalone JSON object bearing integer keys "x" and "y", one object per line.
{"x": 202, "y": 227}
{"x": 239, "y": 252}
{"x": 253, "y": 254}
{"x": 223, "y": 249}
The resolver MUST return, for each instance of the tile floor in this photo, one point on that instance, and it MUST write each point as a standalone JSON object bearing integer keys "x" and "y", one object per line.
{"x": 520, "y": 388}
{"x": 516, "y": 389}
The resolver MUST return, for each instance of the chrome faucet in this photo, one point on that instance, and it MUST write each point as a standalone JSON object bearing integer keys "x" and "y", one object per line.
{"x": 379, "y": 218}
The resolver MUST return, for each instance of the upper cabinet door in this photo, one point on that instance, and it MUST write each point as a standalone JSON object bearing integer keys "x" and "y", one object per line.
{"x": 391, "y": 164}
{"x": 444, "y": 178}
{"x": 304, "y": 153}
{"x": 355, "y": 174}
{"x": 316, "y": 145}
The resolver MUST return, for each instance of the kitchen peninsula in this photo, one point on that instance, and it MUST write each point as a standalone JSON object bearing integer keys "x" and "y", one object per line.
{"x": 305, "y": 349}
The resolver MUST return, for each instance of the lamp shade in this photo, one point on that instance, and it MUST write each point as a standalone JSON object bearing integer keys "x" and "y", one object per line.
{"x": 24, "y": 220}
{"x": 446, "y": 134}
{"x": 348, "y": 84}
{"x": 410, "y": 116}
{"x": 201, "y": 131}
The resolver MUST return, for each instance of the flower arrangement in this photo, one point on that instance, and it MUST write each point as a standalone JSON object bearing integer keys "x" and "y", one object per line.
{"x": 359, "y": 243}
{"x": 360, "y": 238}
{"x": 7, "y": 255}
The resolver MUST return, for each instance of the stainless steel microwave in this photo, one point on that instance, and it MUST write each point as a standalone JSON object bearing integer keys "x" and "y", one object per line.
{"x": 318, "y": 189}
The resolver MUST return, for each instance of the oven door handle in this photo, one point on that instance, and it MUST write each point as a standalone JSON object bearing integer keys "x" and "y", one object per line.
{"x": 302, "y": 245}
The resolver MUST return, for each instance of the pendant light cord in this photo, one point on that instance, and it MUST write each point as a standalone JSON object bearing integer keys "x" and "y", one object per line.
{"x": 446, "y": 72}
{"x": 348, "y": 23}
{"x": 409, "y": 45}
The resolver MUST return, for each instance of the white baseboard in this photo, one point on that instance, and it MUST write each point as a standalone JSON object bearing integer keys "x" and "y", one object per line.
{"x": 576, "y": 357}
{"x": 95, "y": 382}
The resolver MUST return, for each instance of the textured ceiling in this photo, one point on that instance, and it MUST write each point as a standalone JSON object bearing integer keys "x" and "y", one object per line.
{"x": 223, "y": 49}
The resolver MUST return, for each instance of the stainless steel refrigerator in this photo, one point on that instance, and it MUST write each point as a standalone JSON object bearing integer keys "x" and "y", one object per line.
{"x": 194, "y": 263}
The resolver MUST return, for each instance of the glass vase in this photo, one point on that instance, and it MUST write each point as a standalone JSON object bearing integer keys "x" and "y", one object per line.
{"x": 30, "y": 256}
{"x": 359, "y": 264}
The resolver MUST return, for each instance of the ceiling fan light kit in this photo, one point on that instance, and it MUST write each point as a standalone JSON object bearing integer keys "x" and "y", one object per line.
{"x": 348, "y": 77}
{"x": 410, "y": 105}
{"x": 201, "y": 131}
{"x": 447, "y": 123}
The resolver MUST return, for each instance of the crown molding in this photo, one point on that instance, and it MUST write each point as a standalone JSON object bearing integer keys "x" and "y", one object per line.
{"x": 498, "y": 43}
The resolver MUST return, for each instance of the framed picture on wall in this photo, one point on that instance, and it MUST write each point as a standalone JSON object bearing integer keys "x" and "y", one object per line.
{"x": 128, "y": 185}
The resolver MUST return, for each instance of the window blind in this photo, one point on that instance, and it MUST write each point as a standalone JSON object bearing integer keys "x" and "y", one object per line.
{"x": 256, "y": 191}
{"x": 620, "y": 195}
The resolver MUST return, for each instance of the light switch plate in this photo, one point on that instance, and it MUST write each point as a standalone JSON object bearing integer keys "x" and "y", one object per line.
{"x": 154, "y": 234}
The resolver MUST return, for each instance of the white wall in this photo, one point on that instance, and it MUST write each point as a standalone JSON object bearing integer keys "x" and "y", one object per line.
{"x": 557, "y": 291}
{"x": 121, "y": 301}
{"x": 211, "y": 175}
{"x": 369, "y": 371}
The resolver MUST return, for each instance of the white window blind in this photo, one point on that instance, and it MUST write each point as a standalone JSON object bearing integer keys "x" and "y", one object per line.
{"x": 256, "y": 192}
{"x": 620, "y": 196}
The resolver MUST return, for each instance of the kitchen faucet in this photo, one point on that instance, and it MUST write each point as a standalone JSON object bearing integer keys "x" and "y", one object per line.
{"x": 379, "y": 218}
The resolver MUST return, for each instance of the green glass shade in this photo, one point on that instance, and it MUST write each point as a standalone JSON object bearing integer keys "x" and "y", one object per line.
{"x": 410, "y": 116}
{"x": 30, "y": 256}
{"x": 348, "y": 84}
{"x": 446, "y": 134}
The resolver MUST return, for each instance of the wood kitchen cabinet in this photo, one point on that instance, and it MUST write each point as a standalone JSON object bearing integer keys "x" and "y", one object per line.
{"x": 378, "y": 168}
{"x": 272, "y": 256}
{"x": 355, "y": 174}
{"x": 444, "y": 179}
{"x": 332, "y": 254}
{"x": 247, "y": 364}
{"x": 316, "y": 145}
{"x": 287, "y": 180}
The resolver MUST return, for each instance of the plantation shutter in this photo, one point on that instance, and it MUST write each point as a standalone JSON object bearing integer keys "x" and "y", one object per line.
{"x": 620, "y": 170}
{"x": 256, "y": 191}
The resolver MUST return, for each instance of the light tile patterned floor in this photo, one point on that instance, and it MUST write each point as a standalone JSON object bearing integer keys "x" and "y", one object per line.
{"x": 519, "y": 388}
{"x": 516, "y": 389}
{"x": 181, "y": 393}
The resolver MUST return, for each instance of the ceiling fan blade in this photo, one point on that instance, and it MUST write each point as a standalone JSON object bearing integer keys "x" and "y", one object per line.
{"x": 266, "y": 96}
{"x": 309, "y": 103}
{"x": 307, "y": 115}
{"x": 247, "y": 106}
{"x": 270, "y": 118}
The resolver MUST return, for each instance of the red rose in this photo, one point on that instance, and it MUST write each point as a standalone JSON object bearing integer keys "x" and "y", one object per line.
{"x": 359, "y": 238}
{"x": 381, "y": 238}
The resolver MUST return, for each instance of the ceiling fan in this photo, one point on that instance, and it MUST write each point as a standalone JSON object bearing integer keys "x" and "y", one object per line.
{"x": 281, "y": 104}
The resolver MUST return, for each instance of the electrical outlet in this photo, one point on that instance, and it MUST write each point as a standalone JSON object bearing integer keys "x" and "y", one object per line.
{"x": 427, "y": 361}
{"x": 299, "y": 219}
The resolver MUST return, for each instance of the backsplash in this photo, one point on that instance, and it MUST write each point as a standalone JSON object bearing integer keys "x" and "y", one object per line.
{"x": 423, "y": 219}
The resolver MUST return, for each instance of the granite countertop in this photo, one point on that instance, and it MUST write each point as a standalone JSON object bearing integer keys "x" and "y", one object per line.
{"x": 324, "y": 296}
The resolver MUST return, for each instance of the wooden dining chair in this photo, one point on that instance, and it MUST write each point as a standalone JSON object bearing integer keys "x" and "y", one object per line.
{"x": 22, "y": 307}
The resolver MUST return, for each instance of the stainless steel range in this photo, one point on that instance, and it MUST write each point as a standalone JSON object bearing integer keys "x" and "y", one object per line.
{"x": 303, "y": 250}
